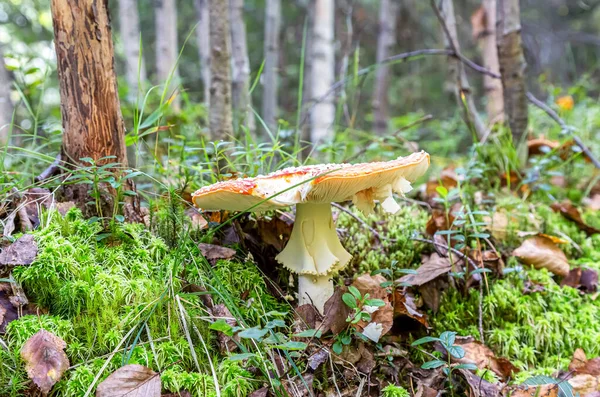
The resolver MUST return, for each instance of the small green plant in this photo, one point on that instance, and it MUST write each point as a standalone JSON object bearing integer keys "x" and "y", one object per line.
{"x": 394, "y": 391}
{"x": 446, "y": 339}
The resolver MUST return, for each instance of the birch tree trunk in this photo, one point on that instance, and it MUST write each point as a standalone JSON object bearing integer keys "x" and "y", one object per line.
{"x": 270, "y": 72}
{"x": 456, "y": 69}
{"x": 167, "y": 48}
{"x": 322, "y": 77}
{"x": 91, "y": 114}
{"x": 202, "y": 36}
{"x": 129, "y": 23}
{"x": 388, "y": 10}
{"x": 307, "y": 97}
{"x": 6, "y": 106}
{"x": 240, "y": 67}
{"x": 492, "y": 86}
{"x": 512, "y": 66}
{"x": 220, "y": 119}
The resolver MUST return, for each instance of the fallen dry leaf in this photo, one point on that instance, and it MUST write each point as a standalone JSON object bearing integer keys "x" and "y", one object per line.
{"x": 404, "y": 305}
{"x": 276, "y": 231}
{"x": 584, "y": 384}
{"x": 581, "y": 365}
{"x": 484, "y": 358}
{"x": 318, "y": 358}
{"x": 382, "y": 319}
{"x": 226, "y": 344}
{"x": 569, "y": 211}
{"x": 447, "y": 179}
{"x": 262, "y": 392}
{"x": 549, "y": 390}
{"x": 541, "y": 145}
{"x": 197, "y": 220}
{"x": 214, "y": 252}
{"x": 542, "y": 253}
{"x": 432, "y": 267}
{"x": 438, "y": 221}
{"x": 336, "y": 313}
{"x": 586, "y": 280}
{"x": 45, "y": 359}
{"x": 21, "y": 252}
{"x": 132, "y": 380}
{"x": 480, "y": 387}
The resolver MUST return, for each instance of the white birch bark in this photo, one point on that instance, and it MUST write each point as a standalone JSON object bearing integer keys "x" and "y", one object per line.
{"x": 6, "y": 106}
{"x": 388, "y": 10}
{"x": 129, "y": 25}
{"x": 492, "y": 86}
{"x": 270, "y": 71}
{"x": 322, "y": 116}
{"x": 240, "y": 66}
{"x": 203, "y": 41}
{"x": 167, "y": 48}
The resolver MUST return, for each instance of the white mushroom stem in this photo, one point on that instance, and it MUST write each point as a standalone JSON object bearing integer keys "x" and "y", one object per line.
{"x": 314, "y": 252}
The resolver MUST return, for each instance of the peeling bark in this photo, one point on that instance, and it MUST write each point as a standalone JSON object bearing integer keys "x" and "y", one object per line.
{"x": 512, "y": 66}
{"x": 6, "y": 106}
{"x": 240, "y": 68}
{"x": 129, "y": 24}
{"x": 203, "y": 41}
{"x": 167, "y": 48}
{"x": 91, "y": 113}
{"x": 323, "y": 62}
{"x": 220, "y": 119}
{"x": 270, "y": 73}
{"x": 388, "y": 10}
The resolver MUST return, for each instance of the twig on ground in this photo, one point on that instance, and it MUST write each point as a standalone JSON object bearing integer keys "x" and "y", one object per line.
{"x": 50, "y": 171}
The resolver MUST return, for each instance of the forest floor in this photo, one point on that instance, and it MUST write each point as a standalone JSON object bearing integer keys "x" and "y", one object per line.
{"x": 486, "y": 283}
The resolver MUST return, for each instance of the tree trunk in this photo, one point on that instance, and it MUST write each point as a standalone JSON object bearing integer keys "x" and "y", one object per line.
{"x": 135, "y": 69}
{"x": 323, "y": 62}
{"x": 492, "y": 86}
{"x": 220, "y": 119}
{"x": 307, "y": 97}
{"x": 167, "y": 48}
{"x": 512, "y": 66}
{"x": 388, "y": 10}
{"x": 202, "y": 37}
{"x": 6, "y": 106}
{"x": 456, "y": 70}
{"x": 91, "y": 114}
{"x": 270, "y": 72}
{"x": 240, "y": 69}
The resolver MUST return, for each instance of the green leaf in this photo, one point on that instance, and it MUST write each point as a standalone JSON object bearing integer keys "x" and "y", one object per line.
{"x": 481, "y": 270}
{"x": 433, "y": 364}
{"x": 469, "y": 366}
{"x": 375, "y": 302}
{"x": 447, "y": 338}
{"x": 120, "y": 218}
{"x": 253, "y": 333}
{"x": 349, "y": 300}
{"x": 442, "y": 191}
{"x": 338, "y": 347}
{"x": 346, "y": 339}
{"x": 241, "y": 356}
{"x": 292, "y": 346}
{"x": 387, "y": 272}
{"x": 275, "y": 323}
{"x": 425, "y": 339}
{"x": 222, "y": 326}
{"x": 309, "y": 333}
{"x": 456, "y": 351}
{"x": 354, "y": 291}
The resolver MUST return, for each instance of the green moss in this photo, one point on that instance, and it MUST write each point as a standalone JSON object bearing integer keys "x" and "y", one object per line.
{"x": 394, "y": 391}
{"x": 368, "y": 254}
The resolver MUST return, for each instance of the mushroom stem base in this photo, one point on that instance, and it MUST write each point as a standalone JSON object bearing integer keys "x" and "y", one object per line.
{"x": 315, "y": 290}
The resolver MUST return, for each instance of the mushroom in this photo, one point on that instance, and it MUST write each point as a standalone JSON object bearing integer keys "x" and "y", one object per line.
{"x": 314, "y": 251}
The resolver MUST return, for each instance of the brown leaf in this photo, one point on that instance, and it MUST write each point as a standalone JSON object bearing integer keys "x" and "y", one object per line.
{"x": 336, "y": 313}
{"x": 447, "y": 179}
{"x": 584, "y": 384}
{"x": 214, "y": 252}
{"x": 549, "y": 390}
{"x": 581, "y": 365}
{"x": 425, "y": 391}
{"x": 183, "y": 393}
{"x": 438, "y": 221}
{"x": 404, "y": 305}
{"x": 541, "y": 145}
{"x": 431, "y": 293}
{"x": 479, "y": 23}
{"x": 542, "y": 253}
{"x": 479, "y": 386}
{"x": 196, "y": 218}
{"x": 307, "y": 316}
{"x": 586, "y": 280}
{"x": 382, "y": 317}
{"x": 262, "y": 392}
{"x": 21, "y": 252}
{"x": 226, "y": 343}
{"x": 45, "y": 359}
{"x": 276, "y": 231}
{"x": 569, "y": 211}
{"x": 431, "y": 268}
{"x": 484, "y": 358}
{"x": 132, "y": 380}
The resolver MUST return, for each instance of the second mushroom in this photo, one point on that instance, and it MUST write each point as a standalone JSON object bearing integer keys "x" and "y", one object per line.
{"x": 314, "y": 251}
